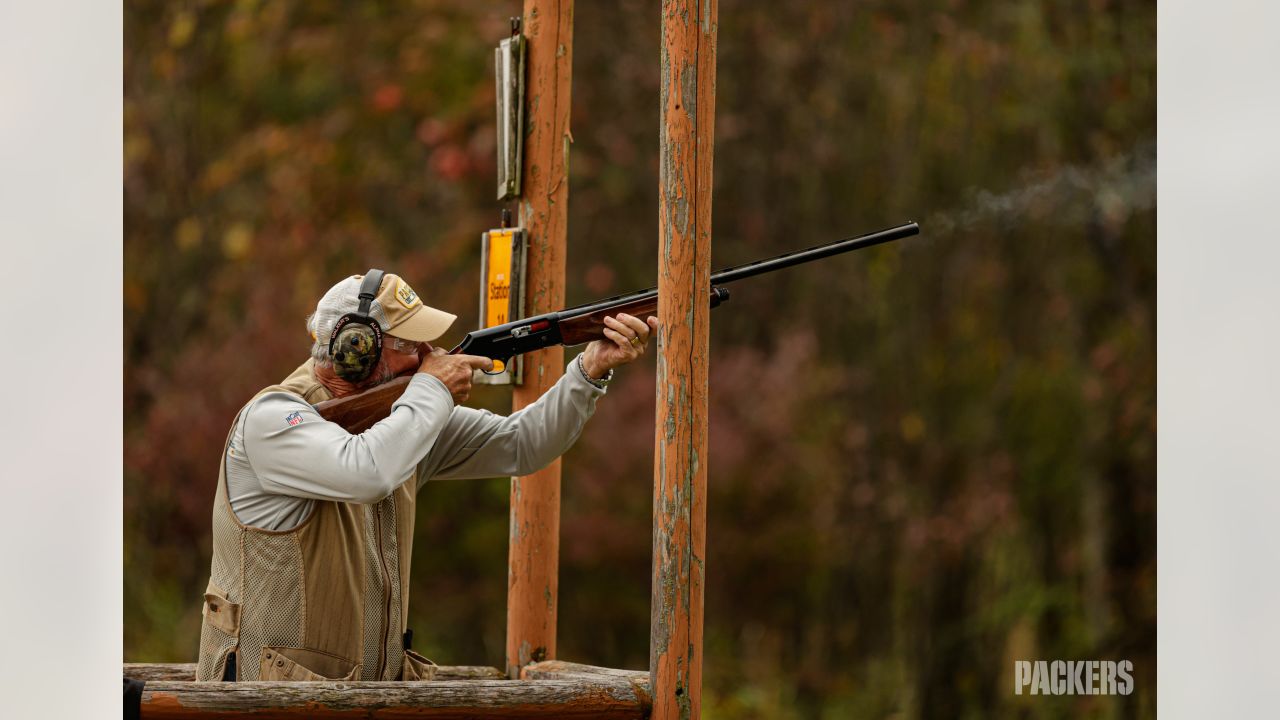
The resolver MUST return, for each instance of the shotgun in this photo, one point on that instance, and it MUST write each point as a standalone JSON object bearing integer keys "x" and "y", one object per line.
{"x": 581, "y": 324}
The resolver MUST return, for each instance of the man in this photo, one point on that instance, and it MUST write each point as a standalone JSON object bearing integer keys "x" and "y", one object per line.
{"x": 313, "y": 526}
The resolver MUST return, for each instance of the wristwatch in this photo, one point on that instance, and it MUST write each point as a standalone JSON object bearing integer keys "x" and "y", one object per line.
{"x": 601, "y": 383}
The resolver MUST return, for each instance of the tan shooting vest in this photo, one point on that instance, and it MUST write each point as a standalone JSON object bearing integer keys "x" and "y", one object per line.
{"x": 326, "y": 600}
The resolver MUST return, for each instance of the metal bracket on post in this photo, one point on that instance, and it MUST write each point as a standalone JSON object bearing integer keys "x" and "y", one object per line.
{"x": 509, "y": 76}
{"x": 503, "y": 259}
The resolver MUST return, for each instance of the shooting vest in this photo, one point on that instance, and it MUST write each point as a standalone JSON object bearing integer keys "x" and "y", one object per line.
{"x": 326, "y": 600}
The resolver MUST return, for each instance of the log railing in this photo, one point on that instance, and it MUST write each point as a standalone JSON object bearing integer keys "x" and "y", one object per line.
{"x": 549, "y": 689}
{"x": 186, "y": 672}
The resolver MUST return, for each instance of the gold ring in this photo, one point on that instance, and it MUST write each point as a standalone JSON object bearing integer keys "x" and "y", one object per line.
{"x": 636, "y": 342}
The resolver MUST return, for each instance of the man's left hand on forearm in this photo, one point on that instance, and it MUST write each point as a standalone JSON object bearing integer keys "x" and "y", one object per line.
{"x": 626, "y": 338}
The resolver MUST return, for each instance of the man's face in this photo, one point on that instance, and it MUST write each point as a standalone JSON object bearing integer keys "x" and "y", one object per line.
{"x": 399, "y": 356}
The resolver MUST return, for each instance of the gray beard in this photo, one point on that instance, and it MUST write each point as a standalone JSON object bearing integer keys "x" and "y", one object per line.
{"x": 383, "y": 374}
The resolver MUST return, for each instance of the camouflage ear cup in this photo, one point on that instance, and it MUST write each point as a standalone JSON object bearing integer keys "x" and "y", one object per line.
{"x": 355, "y": 345}
{"x": 355, "y": 352}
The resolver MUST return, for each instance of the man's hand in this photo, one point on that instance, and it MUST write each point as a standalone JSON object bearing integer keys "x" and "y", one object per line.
{"x": 454, "y": 371}
{"x": 626, "y": 339}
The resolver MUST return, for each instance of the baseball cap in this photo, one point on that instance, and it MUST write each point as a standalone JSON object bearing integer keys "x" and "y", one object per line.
{"x": 396, "y": 308}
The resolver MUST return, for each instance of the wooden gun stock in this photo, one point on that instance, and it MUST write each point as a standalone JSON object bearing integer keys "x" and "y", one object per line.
{"x": 360, "y": 412}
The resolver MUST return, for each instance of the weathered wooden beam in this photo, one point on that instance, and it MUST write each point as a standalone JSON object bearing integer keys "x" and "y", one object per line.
{"x": 186, "y": 672}
{"x": 533, "y": 563}
{"x": 176, "y": 672}
{"x": 561, "y": 670}
{"x": 601, "y": 697}
{"x": 687, "y": 82}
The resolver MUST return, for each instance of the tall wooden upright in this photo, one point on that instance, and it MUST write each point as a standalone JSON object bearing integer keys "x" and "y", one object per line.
{"x": 533, "y": 559}
{"x": 688, "y": 68}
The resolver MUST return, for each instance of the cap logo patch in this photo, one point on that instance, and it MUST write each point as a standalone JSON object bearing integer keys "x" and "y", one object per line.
{"x": 294, "y": 418}
{"x": 405, "y": 294}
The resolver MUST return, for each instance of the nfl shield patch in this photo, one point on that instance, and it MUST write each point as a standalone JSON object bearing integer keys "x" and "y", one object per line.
{"x": 294, "y": 418}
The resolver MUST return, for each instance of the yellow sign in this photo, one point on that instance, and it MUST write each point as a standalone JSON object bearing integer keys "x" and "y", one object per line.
{"x": 497, "y": 297}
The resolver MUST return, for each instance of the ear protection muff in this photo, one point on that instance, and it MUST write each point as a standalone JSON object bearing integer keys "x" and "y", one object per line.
{"x": 355, "y": 345}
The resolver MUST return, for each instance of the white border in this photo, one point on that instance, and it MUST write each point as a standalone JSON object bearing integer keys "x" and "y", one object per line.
{"x": 1218, "y": 345}
{"x": 61, "y": 212}
{"x": 1218, "y": 350}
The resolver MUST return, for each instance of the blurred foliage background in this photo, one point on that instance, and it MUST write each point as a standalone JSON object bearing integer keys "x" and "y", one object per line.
{"x": 928, "y": 460}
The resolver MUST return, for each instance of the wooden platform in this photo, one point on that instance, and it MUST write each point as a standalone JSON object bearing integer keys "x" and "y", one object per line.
{"x": 551, "y": 689}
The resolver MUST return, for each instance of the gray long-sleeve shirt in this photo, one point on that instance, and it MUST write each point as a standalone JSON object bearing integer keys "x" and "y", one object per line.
{"x": 283, "y": 456}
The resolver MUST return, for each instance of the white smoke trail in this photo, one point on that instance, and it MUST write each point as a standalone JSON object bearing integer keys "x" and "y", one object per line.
{"x": 1113, "y": 189}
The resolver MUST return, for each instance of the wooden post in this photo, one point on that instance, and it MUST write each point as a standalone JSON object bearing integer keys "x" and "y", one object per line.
{"x": 533, "y": 558}
{"x": 688, "y": 81}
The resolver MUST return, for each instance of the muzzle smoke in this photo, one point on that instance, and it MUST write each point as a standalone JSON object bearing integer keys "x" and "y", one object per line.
{"x": 1111, "y": 191}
